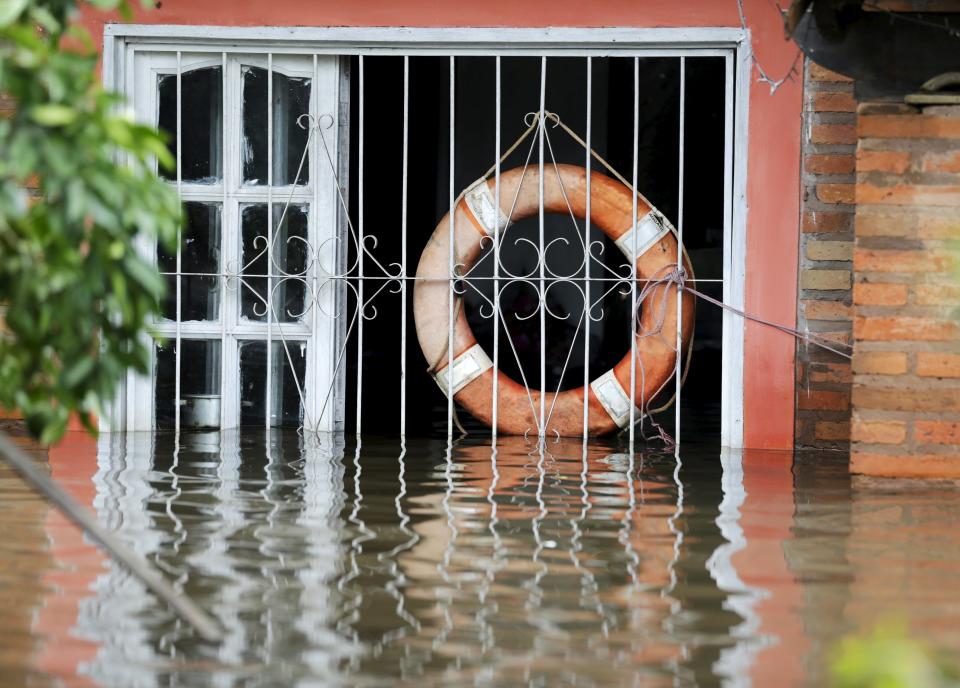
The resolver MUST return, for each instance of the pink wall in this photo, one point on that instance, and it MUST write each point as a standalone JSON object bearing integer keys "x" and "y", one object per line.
{"x": 774, "y": 138}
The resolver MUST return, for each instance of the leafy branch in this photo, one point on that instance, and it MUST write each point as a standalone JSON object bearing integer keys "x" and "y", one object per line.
{"x": 78, "y": 190}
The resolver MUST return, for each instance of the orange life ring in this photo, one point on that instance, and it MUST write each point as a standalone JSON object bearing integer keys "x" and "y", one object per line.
{"x": 611, "y": 209}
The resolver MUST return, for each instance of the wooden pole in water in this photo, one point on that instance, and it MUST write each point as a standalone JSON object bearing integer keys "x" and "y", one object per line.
{"x": 137, "y": 565}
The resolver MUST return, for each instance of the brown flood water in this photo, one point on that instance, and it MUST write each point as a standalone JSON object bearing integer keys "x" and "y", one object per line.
{"x": 330, "y": 563}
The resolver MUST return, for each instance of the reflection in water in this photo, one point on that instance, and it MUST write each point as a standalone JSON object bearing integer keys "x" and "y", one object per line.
{"x": 366, "y": 563}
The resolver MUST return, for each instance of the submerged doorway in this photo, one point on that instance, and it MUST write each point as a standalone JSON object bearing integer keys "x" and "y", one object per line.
{"x": 356, "y": 368}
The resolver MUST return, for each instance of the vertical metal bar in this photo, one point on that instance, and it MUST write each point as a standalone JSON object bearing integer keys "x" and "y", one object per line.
{"x": 542, "y": 284}
{"x": 177, "y": 352}
{"x": 633, "y": 266}
{"x": 403, "y": 248}
{"x": 269, "y": 391}
{"x": 451, "y": 255}
{"x": 727, "y": 386}
{"x": 360, "y": 296}
{"x": 496, "y": 257}
{"x": 321, "y": 370}
{"x": 678, "y": 375}
{"x": 223, "y": 236}
{"x": 586, "y": 259}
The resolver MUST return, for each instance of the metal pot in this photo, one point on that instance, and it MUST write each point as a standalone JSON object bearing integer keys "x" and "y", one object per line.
{"x": 200, "y": 411}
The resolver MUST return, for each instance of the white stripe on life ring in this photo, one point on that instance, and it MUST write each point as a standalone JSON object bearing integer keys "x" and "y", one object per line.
{"x": 466, "y": 368}
{"x": 649, "y": 230}
{"x": 614, "y": 398}
{"x": 484, "y": 209}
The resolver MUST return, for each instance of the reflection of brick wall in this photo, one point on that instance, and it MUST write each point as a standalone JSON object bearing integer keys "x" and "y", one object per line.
{"x": 906, "y": 394}
{"x": 826, "y": 246}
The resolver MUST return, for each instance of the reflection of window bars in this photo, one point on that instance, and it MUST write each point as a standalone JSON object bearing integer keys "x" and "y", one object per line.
{"x": 264, "y": 279}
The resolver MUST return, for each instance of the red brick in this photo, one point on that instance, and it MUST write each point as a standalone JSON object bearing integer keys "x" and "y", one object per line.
{"x": 831, "y": 372}
{"x": 814, "y": 309}
{"x": 913, "y": 224}
{"x": 905, "y": 194}
{"x": 880, "y": 363}
{"x": 877, "y": 294}
{"x": 830, "y": 250}
{"x": 881, "y": 260}
{"x": 835, "y": 337}
{"x": 836, "y": 193}
{"x": 875, "y": 224}
{"x": 936, "y": 432}
{"x": 826, "y": 222}
{"x": 833, "y": 134}
{"x": 829, "y": 164}
{"x": 936, "y": 294}
{"x": 878, "y": 432}
{"x": 832, "y": 431}
{"x": 912, "y": 466}
{"x": 818, "y": 73}
{"x": 823, "y": 400}
{"x": 940, "y": 162}
{"x": 908, "y": 127}
{"x": 896, "y": 162}
{"x": 833, "y": 101}
{"x": 938, "y": 227}
{"x": 937, "y": 364}
{"x": 826, "y": 280}
{"x": 900, "y": 399}
{"x": 904, "y": 328}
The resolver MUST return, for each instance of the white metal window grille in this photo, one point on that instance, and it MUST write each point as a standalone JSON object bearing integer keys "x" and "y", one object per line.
{"x": 257, "y": 323}
{"x": 242, "y": 337}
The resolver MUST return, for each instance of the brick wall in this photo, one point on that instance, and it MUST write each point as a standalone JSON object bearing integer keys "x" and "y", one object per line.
{"x": 826, "y": 252}
{"x": 906, "y": 392}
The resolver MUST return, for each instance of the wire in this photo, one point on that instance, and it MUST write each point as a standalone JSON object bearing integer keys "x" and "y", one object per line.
{"x": 765, "y": 78}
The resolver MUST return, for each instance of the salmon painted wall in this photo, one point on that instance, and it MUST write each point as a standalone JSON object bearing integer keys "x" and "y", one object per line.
{"x": 773, "y": 176}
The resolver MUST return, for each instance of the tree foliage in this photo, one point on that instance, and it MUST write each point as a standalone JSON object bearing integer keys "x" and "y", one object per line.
{"x": 79, "y": 298}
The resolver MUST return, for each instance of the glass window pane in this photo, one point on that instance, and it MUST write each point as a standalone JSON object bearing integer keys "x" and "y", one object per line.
{"x": 200, "y": 293}
{"x": 199, "y": 297}
{"x": 201, "y": 124}
{"x": 201, "y": 238}
{"x": 164, "y": 388}
{"x": 286, "y": 409}
{"x": 200, "y": 253}
{"x": 199, "y": 384}
{"x": 289, "y": 265}
{"x": 168, "y": 308}
{"x": 291, "y": 99}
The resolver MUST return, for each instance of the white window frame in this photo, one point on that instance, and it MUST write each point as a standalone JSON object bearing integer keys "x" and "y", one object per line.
{"x": 231, "y": 194}
{"x": 123, "y": 41}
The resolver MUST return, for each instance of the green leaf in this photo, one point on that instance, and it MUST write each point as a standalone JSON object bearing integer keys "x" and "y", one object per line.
{"x": 144, "y": 274}
{"x": 43, "y": 17}
{"x": 53, "y": 114}
{"x": 10, "y": 11}
{"x": 77, "y": 372}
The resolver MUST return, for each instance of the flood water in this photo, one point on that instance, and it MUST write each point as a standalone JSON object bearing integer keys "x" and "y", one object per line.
{"x": 337, "y": 563}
